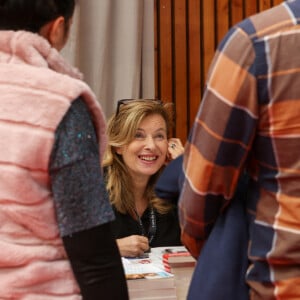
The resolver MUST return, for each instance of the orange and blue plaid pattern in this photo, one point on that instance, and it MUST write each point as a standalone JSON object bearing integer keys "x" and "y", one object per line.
{"x": 250, "y": 118}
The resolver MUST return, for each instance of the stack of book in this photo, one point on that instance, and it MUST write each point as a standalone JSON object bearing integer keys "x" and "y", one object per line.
{"x": 172, "y": 257}
{"x": 151, "y": 276}
{"x": 146, "y": 279}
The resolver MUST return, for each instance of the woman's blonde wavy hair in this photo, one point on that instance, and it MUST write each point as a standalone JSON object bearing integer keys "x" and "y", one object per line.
{"x": 121, "y": 129}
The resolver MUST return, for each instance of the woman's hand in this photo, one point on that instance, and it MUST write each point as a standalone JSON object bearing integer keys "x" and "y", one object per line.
{"x": 133, "y": 245}
{"x": 175, "y": 148}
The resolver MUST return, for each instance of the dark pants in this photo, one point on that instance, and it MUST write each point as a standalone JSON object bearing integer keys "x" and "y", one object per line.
{"x": 221, "y": 267}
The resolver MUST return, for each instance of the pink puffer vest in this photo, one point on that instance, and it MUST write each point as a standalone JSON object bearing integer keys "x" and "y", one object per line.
{"x": 37, "y": 88}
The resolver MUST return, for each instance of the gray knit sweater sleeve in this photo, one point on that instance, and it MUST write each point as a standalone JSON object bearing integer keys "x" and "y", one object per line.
{"x": 79, "y": 192}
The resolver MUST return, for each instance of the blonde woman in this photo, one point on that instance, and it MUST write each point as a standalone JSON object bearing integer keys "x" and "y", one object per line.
{"x": 138, "y": 149}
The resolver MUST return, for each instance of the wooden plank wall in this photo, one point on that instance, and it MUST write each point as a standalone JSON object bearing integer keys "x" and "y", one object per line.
{"x": 186, "y": 35}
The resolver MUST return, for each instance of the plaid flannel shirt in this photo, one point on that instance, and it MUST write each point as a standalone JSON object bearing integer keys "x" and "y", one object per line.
{"x": 250, "y": 118}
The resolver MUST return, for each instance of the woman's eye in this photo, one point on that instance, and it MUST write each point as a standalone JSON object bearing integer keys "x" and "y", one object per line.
{"x": 139, "y": 135}
{"x": 160, "y": 136}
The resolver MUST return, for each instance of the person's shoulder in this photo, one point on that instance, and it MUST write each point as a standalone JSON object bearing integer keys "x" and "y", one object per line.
{"x": 79, "y": 106}
{"x": 246, "y": 32}
{"x": 268, "y": 21}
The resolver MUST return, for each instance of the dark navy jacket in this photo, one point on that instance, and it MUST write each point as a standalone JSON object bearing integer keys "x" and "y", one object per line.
{"x": 221, "y": 267}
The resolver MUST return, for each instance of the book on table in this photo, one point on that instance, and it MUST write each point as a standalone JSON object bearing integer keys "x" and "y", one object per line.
{"x": 157, "y": 263}
{"x": 171, "y": 257}
{"x": 147, "y": 279}
{"x": 150, "y": 276}
{"x": 143, "y": 268}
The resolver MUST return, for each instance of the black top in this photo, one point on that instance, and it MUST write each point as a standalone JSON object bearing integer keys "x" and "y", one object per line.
{"x": 167, "y": 227}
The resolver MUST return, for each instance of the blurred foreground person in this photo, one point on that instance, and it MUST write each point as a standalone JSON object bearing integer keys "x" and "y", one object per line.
{"x": 249, "y": 120}
{"x": 54, "y": 215}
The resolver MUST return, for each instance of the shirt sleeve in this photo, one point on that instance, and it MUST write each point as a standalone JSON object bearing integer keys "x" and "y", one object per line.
{"x": 220, "y": 139}
{"x": 80, "y": 197}
{"x": 97, "y": 266}
{"x": 169, "y": 183}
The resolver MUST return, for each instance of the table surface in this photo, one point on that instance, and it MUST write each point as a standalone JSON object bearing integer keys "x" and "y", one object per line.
{"x": 174, "y": 288}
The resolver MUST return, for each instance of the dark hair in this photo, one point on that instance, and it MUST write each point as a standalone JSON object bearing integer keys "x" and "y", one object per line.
{"x": 31, "y": 15}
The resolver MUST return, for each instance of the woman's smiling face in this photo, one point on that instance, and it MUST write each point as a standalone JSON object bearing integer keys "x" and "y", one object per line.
{"x": 147, "y": 152}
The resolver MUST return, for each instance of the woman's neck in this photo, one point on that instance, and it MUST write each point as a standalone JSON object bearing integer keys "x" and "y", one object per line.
{"x": 141, "y": 203}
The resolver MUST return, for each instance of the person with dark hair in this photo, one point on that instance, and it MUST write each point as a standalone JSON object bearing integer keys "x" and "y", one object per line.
{"x": 139, "y": 146}
{"x": 55, "y": 235}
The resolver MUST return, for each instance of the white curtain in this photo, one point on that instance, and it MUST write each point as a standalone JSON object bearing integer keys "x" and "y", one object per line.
{"x": 112, "y": 43}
